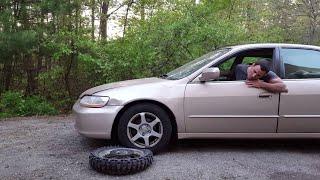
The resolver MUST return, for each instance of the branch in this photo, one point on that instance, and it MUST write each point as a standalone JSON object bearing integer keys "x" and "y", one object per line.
{"x": 115, "y": 10}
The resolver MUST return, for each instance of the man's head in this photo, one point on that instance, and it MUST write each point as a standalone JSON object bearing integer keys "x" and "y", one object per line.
{"x": 258, "y": 69}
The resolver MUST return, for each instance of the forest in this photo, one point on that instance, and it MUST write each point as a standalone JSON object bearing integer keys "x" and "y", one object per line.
{"x": 53, "y": 50}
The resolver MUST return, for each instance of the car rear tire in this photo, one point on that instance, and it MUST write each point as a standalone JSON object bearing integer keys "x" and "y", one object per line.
{"x": 145, "y": 126}
{"x": 119, "y": 160}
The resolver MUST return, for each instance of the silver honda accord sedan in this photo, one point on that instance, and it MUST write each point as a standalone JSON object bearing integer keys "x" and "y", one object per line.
{"x": 202, "y": 99}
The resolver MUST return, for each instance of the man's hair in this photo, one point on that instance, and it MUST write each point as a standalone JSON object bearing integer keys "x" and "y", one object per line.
{"x": 265, "y": 64}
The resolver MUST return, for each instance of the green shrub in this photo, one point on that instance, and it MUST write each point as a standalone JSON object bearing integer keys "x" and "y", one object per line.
{"x": 15, "y": 104}
{"x": 10, "y": 103}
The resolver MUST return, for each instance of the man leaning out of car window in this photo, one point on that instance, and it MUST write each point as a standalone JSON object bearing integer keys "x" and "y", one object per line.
{"x": 259, "y": 75}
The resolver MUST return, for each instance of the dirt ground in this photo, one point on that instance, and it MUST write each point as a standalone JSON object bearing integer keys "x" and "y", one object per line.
{"x": 50, "y": 148}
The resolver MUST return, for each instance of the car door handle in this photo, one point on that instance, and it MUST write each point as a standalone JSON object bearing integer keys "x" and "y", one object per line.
{"x": 264, "y": 95}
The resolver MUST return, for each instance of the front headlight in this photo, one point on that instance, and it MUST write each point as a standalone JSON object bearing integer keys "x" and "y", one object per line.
{"x": 94, "y": 101}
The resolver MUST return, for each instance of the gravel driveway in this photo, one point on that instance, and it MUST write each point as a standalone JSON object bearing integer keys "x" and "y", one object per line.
{"x": 49, "y": 148}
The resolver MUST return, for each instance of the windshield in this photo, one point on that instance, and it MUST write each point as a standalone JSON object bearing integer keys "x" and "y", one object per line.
{"x": 194, "y": 65}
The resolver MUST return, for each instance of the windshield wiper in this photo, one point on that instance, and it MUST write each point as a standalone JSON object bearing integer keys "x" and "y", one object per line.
{"x": 164, "y": 76}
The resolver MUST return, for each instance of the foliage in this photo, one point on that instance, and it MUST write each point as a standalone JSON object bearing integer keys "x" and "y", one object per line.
{"x": 15, "y": 104}
{"x": 56, "y": 49}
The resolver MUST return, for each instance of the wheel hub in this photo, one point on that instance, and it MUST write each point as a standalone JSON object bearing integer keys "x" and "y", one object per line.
{"x": 121, "y": 152}
{"x": 145, "y": 129}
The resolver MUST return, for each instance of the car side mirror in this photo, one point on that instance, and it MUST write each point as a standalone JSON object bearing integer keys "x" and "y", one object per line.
{"x": 210, "y": 74}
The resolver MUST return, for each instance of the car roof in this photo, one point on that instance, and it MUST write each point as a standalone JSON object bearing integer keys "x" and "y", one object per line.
{"x": 273, "y": 45}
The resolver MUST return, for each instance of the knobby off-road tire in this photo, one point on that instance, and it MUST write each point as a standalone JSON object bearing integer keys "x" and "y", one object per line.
{"x": 119, "y": 160}
{"x": 145, "y": 126}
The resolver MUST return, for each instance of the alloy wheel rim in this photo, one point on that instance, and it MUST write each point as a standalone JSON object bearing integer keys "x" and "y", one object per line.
{"x": 144, "y": 130}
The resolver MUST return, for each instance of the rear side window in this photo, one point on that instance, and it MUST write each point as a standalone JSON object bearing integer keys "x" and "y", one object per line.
{"x": 301, "y": 63}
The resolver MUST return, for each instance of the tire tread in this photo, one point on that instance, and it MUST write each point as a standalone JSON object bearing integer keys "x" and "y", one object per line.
{"x": 120, "y": 166}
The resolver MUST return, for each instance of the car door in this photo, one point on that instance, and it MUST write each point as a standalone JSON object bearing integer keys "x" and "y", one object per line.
{"x": 229, "y": 107}
{"x": 300, "y": 107}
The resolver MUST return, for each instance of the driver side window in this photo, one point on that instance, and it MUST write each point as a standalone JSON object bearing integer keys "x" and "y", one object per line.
{"x": 228, "y": 66}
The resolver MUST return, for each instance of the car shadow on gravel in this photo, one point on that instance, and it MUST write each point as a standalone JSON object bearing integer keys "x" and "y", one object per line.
{"x": 208, "y": 145}
{"x": 292, "y": 145}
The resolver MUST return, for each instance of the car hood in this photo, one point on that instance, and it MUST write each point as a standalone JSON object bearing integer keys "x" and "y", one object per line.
{"x": 121, "y": 84}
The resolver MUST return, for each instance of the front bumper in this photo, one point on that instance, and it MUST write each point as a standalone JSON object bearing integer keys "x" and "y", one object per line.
{"x": 95, "y": 122}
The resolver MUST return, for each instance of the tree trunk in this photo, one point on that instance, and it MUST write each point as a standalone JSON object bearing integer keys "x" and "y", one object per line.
{"x": 313, "y": 11}
{"x": 93, "y": 6}
{"x": 104, "y": 19}
{"x": 67, "y": 74}
{"x": 31, "y": 74}
{"x": 126, "y": 18}
{"x": 249, "y": 17}
{"x": 142, "y": 11}
{"x": 231, "y": 8}
{"x": 72, "y": 56}
{"x": 7, "y": 75}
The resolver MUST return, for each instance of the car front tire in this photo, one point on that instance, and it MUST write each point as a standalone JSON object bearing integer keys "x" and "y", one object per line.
{"x": 145, "y": 126}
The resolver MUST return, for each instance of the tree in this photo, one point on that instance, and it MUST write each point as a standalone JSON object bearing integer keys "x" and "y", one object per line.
{"x": 311, "y": 9}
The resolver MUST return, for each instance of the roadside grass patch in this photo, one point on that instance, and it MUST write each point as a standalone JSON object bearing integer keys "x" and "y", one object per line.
{"x": 14, "y": 104}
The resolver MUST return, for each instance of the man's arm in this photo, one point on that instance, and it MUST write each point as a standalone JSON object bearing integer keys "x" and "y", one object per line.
{"x": 275, "y": 85}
